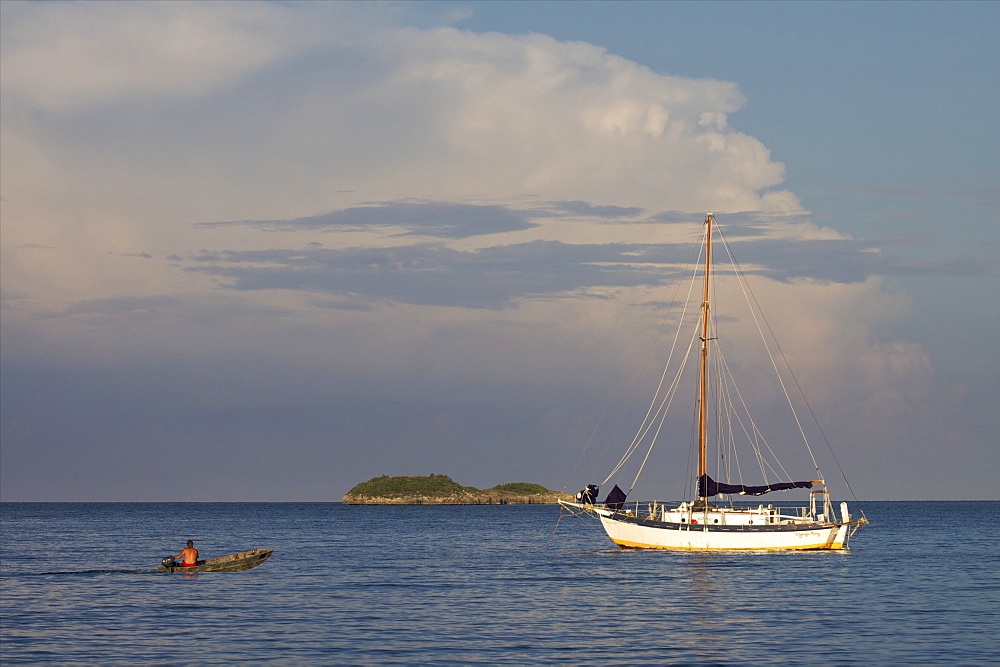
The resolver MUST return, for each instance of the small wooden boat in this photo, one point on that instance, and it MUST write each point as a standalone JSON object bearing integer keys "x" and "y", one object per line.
{"x": 244, "y": 560}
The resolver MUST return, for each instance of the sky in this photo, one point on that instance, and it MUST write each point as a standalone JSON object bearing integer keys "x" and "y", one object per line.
{"x": 265, "y": 251}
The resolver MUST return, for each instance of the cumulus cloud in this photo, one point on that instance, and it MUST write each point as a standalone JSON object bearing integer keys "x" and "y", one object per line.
{"x": 418, "y": 210}
{"x": 560, "y": 119}
{"x": 66, "y": 56}
{"x": 405, "y": 112}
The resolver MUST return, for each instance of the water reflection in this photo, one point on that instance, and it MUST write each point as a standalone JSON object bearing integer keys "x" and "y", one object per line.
{"x": 473, "y": 585}
{"x": 706, "y": 620}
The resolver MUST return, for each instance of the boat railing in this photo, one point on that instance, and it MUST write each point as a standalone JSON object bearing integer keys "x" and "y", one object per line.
{"x": 655, "y": 508}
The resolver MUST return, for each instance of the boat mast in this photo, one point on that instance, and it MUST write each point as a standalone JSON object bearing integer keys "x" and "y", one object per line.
{"x": 703, "y": 366}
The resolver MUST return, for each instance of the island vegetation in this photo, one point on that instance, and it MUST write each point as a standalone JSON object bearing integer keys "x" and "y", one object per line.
{"x": 436, "y": 489}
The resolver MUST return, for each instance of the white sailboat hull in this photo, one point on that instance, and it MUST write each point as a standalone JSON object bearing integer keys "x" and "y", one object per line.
{"x": 635, "y": 536}
{"x": 631, "y": 532}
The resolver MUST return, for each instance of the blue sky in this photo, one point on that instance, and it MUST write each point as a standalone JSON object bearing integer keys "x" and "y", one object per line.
{"x": 265, "y": 251}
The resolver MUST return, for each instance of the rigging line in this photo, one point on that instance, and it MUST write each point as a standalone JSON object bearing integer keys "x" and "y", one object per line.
{"x": 661, "y": 410}
{"x": 727, "y": 384}
{"x": 743, "y": 280}
{"x": 650, "y": 416}
{"x": 580, "y": 514}
{"x": 724, "y": 407}
{"x": 554, "y": 528}
{"x": 722, "y": 404}
{"x": 648, "y": 452}
{"x": 607, "y": 405}
{"x": 645, "y": 365}
{"x": 736, "y": 456}
{"x": 762, "y": 461}
{"x": 647, "y": 420}
{"x": 669, "y": 394}
{"x": 663, "y": 418}
{"x": 718, "y": 396}
{"x": 592, "y": 434}
{"x": 727, "y": 431}
{"x": 724, "y": 435}
{"x": 751, "y": 436}
{"x": 610, "y": 400}
{"x": 808, "y": 405}
{"x": 731, "y": 413}
{"x": 690, "y": 473}
{"x": 745, "y": 286}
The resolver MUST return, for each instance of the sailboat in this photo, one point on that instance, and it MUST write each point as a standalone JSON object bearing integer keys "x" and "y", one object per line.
{"x": 717, "y": 516}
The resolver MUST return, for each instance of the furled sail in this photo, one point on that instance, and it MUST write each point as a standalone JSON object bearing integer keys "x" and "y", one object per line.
{"x": 709, "y": 487}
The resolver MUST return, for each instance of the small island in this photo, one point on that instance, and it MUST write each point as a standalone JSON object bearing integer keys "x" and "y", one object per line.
{"x": 443, "y": 490}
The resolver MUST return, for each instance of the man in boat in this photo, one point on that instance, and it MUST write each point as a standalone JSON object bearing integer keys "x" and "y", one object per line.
{"x": 189, "y": 555}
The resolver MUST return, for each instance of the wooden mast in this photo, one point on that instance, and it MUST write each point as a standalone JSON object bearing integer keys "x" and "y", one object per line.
{"x": 703, "y": 366}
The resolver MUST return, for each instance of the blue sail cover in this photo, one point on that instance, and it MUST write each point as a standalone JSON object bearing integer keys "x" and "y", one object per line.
{"x": 615, "y": 499}
{"x": 709, "y": 487}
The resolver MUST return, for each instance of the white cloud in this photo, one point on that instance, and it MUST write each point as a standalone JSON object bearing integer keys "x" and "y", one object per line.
{"x": 327, "y": 113}
{"x": 515, "y": 115}
{"x": 66, "y": 56}
{"x": 126, "y": 123}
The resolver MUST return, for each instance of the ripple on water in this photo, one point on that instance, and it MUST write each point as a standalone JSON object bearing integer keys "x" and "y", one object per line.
{"x": 462, "y": 585}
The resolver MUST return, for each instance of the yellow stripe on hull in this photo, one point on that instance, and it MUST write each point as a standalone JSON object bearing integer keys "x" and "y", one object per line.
{"x": 801, "y": 547}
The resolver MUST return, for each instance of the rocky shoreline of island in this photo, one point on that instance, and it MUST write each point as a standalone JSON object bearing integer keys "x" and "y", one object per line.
{"x": 442, "y": 490}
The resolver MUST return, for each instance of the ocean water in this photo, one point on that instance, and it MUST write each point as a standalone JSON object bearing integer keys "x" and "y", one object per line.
{"x": 484, "y": 584}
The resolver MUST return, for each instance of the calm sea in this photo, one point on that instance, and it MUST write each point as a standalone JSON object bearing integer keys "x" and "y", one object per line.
{"x": 459, "y": 585}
